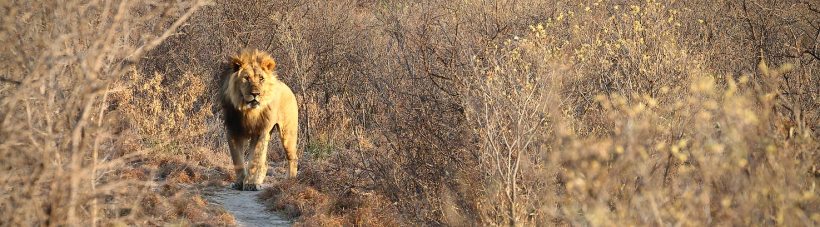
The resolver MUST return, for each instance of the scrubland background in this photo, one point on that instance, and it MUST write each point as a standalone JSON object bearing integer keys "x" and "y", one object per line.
{"x": 463, "y": 113}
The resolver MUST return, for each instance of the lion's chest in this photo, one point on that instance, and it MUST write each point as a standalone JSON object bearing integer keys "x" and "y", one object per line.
{"x": 248, "y": 124}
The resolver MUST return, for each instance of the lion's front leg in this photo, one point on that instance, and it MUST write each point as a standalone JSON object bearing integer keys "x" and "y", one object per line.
{"x": 258, "y": 164}
{"x": 237, "y": 147}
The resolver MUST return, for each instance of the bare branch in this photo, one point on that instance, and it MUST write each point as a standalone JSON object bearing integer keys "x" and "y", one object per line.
{"x": 137, "y": 54}
{"x": 7, "y": 80}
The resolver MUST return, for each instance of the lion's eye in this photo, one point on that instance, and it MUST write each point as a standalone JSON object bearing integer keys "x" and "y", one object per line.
{"x": 244, "y": 79}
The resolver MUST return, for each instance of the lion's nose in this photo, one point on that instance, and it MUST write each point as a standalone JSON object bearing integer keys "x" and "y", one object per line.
{"x": 255, "y": 93}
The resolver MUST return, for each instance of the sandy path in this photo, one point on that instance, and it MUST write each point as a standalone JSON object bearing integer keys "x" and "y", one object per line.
{"x": 244, "y": 207}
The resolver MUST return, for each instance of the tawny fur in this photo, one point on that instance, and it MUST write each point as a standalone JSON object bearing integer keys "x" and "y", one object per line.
{"x": 254, "y": 100}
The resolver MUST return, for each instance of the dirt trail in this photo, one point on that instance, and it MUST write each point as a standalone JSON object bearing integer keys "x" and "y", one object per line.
{"x": 244, "y": 207}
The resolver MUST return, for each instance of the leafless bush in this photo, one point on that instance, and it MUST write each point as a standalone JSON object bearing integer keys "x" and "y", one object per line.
{"x": 627, "y": 112}
{"x": 510, "y": 104}
{"x": 641, "y": 132}
{"x": 58, "y": 139}
{"x": 620, "y": 118}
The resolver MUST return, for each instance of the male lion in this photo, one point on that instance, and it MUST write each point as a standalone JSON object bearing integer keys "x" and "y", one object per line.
{"x": 254, "y": 100}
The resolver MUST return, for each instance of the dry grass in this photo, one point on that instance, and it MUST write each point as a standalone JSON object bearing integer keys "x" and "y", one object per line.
{"x": 81, "y": 137}
{"x": 422, "y": 113}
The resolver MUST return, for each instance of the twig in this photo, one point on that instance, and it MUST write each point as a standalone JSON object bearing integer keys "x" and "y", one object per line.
{"x": 134, "y": 57}
{"x": 7, "y": 80}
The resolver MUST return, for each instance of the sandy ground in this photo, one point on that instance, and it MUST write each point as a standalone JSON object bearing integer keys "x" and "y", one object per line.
{"x": 244, "y": 207}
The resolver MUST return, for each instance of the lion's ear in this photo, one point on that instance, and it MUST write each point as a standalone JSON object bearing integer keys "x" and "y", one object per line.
{"x": 236, "y": 63}
{"x": 268, "y": 64}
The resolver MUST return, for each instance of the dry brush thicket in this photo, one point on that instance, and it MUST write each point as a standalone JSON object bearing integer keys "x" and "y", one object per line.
{"x": 80, "y": 132}
{"x": 434, "y": 112}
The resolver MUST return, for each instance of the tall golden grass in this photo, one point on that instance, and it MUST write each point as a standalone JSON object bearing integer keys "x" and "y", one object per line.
{"x": 511, "y": 112}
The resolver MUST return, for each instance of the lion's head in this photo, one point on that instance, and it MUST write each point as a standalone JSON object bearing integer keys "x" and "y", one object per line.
{"x": 250, "y": 84}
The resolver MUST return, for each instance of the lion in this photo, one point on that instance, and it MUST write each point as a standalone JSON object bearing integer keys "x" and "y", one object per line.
{"x": 254, "y": 101}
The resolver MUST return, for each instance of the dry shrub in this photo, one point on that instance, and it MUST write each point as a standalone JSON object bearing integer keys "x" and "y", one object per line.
{"x": 641, "y": 131}
{"x": 366, "y": 209}
{"x": 327, "y": 192}
{"x": 77, "y": 150}
{"x": 321, "y": 220}
{"x": 190, "y": 209}
{"x": 310, "y": 207}
{"x": 601, "y": 90}
{"x": 295, "y": 199}
{"x": 172, "y": 116}
{"x": 627, "y": 113}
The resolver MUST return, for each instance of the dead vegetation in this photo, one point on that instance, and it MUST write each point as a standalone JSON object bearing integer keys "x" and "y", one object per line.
{"x": 78, "y": 150}
{"x": 431, "y": 113}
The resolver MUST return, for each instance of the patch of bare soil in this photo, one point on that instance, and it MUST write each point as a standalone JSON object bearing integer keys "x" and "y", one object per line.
{"x": 243, "y": 205}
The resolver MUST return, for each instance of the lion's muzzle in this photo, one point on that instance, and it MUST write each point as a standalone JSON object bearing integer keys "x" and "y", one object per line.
{"x": 253, "y": 103}
{"x": 254, "y": 99}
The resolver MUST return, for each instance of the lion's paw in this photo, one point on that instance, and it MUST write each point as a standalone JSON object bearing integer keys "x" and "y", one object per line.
{"x": 252, "y": 187}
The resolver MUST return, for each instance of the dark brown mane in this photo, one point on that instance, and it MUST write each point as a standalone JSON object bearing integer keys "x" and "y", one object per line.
{"x": 235, "y": 120}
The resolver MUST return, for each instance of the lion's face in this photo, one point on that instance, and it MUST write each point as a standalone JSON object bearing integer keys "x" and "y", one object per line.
{"x": 252, "y": 82}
